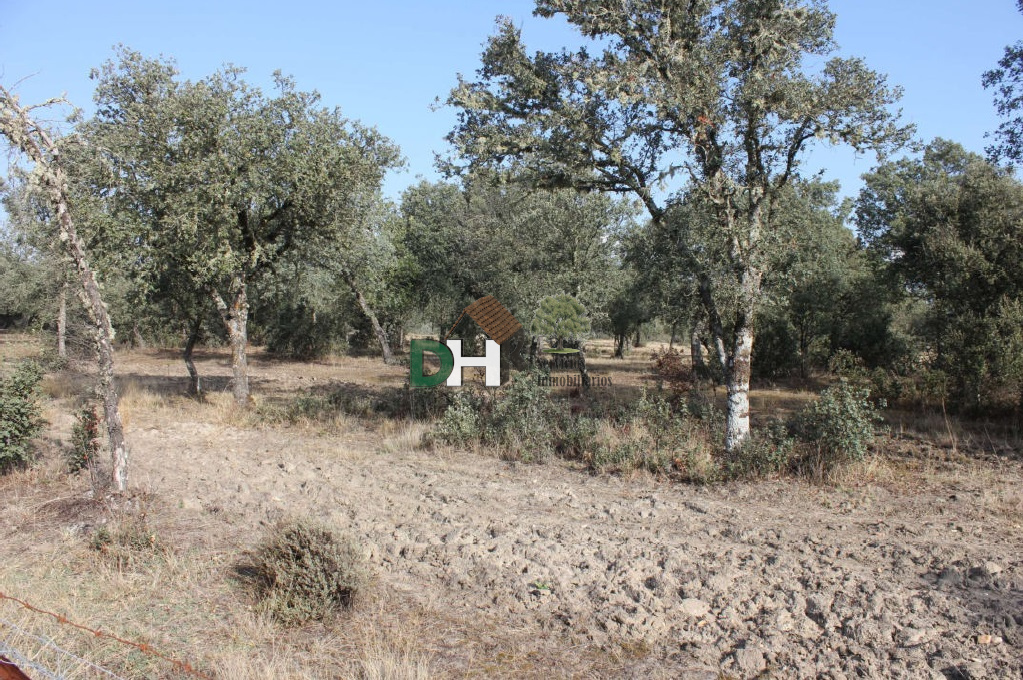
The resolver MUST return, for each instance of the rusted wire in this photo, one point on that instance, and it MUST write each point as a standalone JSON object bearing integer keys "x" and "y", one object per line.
{"x": 182, "y": 666}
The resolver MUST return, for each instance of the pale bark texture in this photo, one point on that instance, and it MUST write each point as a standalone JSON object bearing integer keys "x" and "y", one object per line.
{"x": 385, "y": 346}
{"x": 33, "y": 140}
{"x": 236, "y": 319}
{"x": 62, "y": 321}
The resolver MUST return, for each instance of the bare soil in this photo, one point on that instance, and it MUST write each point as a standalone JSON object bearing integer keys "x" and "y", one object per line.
{"x": 910, "y": 568}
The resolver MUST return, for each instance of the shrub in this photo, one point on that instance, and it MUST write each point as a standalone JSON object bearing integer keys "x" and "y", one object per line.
{"x": 20, "y": 414}
{"x": 768, "y": 451}
{"x": 523, "y": 419}
{"x": 304, "y": 572}
{"x": 461, "y": 424}
{"x": 673, "y": 369}
{"x": 840, "y": 424}
{"x": 85, "y": 443}
{"x": 127, "y": 542}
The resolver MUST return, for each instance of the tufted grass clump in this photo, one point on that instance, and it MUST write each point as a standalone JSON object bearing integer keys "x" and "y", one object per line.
{"x": 304, "y": 572}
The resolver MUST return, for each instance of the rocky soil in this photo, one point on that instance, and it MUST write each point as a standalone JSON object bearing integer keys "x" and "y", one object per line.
{"x": 747, "y": 579}
{"x": 917, "y": 577}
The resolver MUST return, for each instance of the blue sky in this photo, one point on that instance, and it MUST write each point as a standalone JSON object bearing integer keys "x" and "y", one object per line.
{"x": 385, "y": 62}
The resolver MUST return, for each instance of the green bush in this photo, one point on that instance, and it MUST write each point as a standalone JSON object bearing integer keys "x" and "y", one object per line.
{"x": 524, "y": 419}
{"x": 461, "y": 424}
{"x": 20, "y": 414}
{"x": 769, "y": 450}
{"x": 85, "y": 443}
{"x": 840, "y": 424}
{"x": 303, "y": 572}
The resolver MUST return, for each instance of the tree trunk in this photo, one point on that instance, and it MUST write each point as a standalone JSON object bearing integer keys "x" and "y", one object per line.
{"x": 620, "y": 340}
{"x": 25, "y": 134}
{"x": 637, "y": 342}
{"x": 737, "y": 382}
{"x": 236, "y": 319}
{"x": 696, "y": 353}
{"x": 584, "y": 375}
{"x": 62, "y": 321}
{"x": 194, "y": 381}
{"x": 385, "y": 346}
{"x": 137, "y": 338}
{"x": 735, "y": 364}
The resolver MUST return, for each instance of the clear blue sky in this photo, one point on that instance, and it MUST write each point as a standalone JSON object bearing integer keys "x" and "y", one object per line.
{"x": 384, "y": 62}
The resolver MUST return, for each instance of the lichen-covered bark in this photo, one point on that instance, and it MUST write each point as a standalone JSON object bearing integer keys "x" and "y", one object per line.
{"x": 48, "y": 177}
{"x": 236, "y": 319}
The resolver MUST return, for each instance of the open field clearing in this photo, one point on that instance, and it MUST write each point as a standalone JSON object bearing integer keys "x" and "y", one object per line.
{"x": 912, "y": 567}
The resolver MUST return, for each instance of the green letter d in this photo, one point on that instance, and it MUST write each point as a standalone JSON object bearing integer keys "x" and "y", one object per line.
{"x": 416, "y": 350}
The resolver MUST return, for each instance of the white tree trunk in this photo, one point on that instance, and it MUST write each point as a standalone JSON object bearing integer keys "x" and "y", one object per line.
{"x": 737, "y": 428}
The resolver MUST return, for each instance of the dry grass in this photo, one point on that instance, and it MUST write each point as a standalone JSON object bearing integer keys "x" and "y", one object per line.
{"x": 402, "y": 436}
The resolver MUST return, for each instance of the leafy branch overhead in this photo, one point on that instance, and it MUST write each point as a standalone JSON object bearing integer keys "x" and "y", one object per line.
{"x": 703, "y": 88}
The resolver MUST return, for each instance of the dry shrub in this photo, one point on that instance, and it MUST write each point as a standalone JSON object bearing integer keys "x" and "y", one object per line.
{"x": 673, "y": 370}
{"x": 128, "y": 541}
{"x": 303, "y": 572}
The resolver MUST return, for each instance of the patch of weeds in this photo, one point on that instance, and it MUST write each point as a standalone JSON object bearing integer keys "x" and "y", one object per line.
{"x": 129, "y": 542}
{"x": 769, "y": 450}
{"x": 462, "y": 423}
{"x": 51, "y": 361}
{"x": 673, "y": 371}
{"x": 524, "y": 419}
{"x": 654, "y": 434}
{"x": 578, "y": 437}
{"x": 425, "y": 403}
{"x": 303, "y": 572}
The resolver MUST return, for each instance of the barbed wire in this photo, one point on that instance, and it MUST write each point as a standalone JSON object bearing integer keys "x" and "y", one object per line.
{"x": 182, "y": 666}
{"x": 49, "y": 644}
{"x": 9, "y": 655}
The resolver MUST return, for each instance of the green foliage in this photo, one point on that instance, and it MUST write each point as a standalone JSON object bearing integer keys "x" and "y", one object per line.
{"x": 296, "y": 331}
{"x": 304, "y": 571}
{"x": 1005, "y": 81}
{"x": 85, "y": 440}
{"x": 524, "y": 418}
{"x": 462, "y": 423}
{"x": 769, "y": 451}
{"x": 521, "y": 420}
{"x": 840, "y": 425}
{"x": 950, "y": 227}
{"x": 21, "y": 417}
{"x": 716, "y": 88}
{"x": 560, "y": 318}
{"x": 457, "y": 244}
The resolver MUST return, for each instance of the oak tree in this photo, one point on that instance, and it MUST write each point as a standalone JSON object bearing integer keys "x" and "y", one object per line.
{"x": 725, "y": 92}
